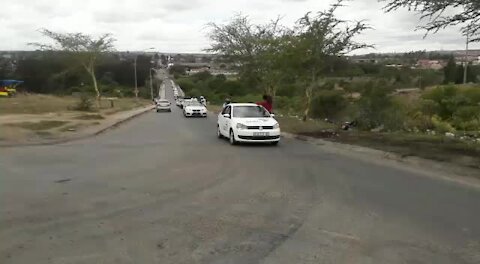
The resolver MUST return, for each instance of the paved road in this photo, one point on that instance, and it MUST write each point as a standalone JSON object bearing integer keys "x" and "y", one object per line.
{"x": 164, "y": 189}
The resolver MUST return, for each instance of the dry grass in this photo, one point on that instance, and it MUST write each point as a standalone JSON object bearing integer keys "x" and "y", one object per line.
{"x": 39, "y": 126}
{"x": 40, "y": 104}
{"x": 438, "y": 148}
{"x": 35, "y": 104}
{"x": 90, "y": 117}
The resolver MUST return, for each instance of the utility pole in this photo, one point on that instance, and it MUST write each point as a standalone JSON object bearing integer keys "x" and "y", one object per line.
{"x": 465, "y": 68}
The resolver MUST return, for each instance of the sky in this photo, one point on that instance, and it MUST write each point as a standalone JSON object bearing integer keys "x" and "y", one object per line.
{"x": 180, "y": 25}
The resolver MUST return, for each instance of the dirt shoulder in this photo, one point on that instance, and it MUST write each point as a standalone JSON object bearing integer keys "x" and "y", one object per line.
{"x": 42, "y": 119}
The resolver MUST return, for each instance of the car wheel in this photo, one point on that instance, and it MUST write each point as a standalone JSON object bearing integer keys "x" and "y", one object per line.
{"x": 275, "y": 143}
{"x": 158, "y": 110}
{"x": 232, "y": 138}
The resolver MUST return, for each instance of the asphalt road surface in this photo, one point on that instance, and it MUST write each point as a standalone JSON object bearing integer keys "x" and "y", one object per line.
{"x": 163, "y": 189}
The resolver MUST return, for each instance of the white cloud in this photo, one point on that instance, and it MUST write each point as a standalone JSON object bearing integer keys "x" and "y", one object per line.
{"x": 179, "y": 26}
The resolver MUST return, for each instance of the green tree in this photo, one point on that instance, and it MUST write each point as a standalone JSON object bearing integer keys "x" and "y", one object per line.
{"x": 444, "y": 13}
{"x": 319, "y": 38}
{"x": 450, "y": 71}
{"x": 83, "y": 48}
{"x": 257, "y": 50}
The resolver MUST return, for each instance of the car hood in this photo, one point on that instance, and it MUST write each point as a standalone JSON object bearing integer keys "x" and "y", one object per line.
{"x": 257, "y": 121}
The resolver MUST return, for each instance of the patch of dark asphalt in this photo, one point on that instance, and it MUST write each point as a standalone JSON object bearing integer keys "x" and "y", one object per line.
{"x": 63, "y": 180}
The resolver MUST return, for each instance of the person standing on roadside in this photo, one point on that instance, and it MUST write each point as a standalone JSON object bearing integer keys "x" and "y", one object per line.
{"x": 267, "y": 103}
{"x": 227, "y": 102}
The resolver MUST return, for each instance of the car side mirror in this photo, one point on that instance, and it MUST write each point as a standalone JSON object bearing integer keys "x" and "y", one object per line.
{"x": 272, "y": 115}
{"x": 226, "y": 115}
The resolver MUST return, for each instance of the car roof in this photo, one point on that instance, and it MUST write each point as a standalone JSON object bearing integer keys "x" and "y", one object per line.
{"x": 242, "y": 104}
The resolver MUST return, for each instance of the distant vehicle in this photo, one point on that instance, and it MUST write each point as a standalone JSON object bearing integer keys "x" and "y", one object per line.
{"x": 247, "y": 123}
{"x": 179, "y": 102}
{"x": 163, "y": 105}
{"x": 188, "y": 100}
{"x": 8, "y": 87}
{"x": 194, "y": 108}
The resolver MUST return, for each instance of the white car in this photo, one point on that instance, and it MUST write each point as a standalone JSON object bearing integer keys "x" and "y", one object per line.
{"x": 179, "y": 102}
{"x": 248, "y": 123}
{"x": 163, "y": 105}
{"x": 194, "y": 108}
{"x": 187, "y": 100}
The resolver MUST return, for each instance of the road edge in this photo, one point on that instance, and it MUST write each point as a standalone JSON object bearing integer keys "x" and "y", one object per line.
{"x": 430, "y": 168}
{"x": 95, "y": 131}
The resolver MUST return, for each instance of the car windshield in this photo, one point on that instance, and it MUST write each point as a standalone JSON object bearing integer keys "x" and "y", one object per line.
{"x": 194, "y": 103}
{"x": 249, "y": 111}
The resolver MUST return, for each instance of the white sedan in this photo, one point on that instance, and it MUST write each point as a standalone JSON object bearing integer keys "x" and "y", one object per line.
{"x": 194, "y": 108}
{"x": 248, "y": 123}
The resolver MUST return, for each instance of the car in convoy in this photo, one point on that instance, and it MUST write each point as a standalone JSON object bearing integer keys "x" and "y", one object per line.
{"x": 246, "y": 122}
{"x": 194, "y": 108}
{"x": 179, "y": 102}
{"x": 187, "y": 100}
{"x": 163, "y": 105}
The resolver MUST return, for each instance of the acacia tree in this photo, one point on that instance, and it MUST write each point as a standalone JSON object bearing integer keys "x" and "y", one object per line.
{"x": 256, "y": 49}
{"x": 441, "y": 14}
{"x": 83, "y": 48}
{"x": 320, "y": 38}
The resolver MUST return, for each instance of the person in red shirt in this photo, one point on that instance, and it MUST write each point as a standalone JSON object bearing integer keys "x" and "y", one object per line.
{"x": 267, "y": 103}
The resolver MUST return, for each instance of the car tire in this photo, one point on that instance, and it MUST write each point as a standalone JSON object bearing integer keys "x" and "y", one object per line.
{"x": 232, "y": 138}
{"x": 219, "y": 134}
{"x": 275, "y": 143}
{"x": 158, "y": 111}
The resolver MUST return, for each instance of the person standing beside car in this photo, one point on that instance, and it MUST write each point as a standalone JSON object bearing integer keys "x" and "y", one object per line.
{"x": 267, "y": 103}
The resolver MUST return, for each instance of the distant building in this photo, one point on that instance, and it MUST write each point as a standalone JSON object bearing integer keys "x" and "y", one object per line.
{"x": 398, "y": 66}
{"x": 431, "y": 64}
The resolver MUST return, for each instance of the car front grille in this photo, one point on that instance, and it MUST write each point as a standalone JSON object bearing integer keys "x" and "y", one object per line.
{"x": 259, "y": 137}
{"x": 260, "y": 127}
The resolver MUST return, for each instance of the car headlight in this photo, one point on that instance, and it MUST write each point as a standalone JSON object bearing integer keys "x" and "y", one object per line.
{"x": 241, "y": 126}
{"x": 276, "y": 126}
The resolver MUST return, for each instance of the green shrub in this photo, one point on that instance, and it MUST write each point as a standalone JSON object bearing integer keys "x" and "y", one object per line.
{"x": 372, "y": 107}
{"x": 419, "y": 122}
{"x": 85, "y": 103}
{"x": 327, "y": 104}
{"x": 442, "y": 126}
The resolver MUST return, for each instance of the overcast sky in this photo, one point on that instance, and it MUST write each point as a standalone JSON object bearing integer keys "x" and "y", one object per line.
{"x": 179, "y": 25}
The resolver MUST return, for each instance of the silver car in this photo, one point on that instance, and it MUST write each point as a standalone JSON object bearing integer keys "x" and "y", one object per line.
{"x": 163, "y": 105}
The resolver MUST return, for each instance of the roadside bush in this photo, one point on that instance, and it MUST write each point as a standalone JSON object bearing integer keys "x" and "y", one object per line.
{"x": 467, "y": 118}
{"x": 394, "y": 117}
{"x": 327, "y": 104}
{"x": 442, "y": 126}
{"x": 186, "y": 84}
{"x": 85, "y": 104}
{"x": 418, "y": 122}
{"x": 372, "y": 107}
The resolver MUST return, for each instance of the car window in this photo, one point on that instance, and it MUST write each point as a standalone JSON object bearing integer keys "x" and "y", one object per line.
{"x": 250, "y": 111}
{"x": 226, "y": 110}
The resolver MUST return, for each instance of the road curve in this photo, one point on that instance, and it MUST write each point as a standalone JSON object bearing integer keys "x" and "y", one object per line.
{"x": 163, "y": 189}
